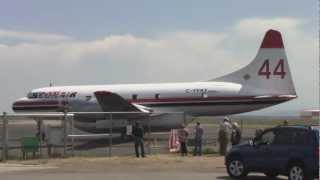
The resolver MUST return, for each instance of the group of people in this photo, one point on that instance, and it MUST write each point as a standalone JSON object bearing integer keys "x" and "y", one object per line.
{"x": 229, "y": 133}
{"x": 138, "y": 133}
{"x": 183, "y": 140}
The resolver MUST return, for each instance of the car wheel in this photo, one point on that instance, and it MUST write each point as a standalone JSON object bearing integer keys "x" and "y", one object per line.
{"x": 297, "y": 172}
{"x": 271, "y": 174}
{"x": 236, "y": 168}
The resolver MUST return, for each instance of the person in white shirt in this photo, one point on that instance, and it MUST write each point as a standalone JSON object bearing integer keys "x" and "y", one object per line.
{"x": 224, "y": 135}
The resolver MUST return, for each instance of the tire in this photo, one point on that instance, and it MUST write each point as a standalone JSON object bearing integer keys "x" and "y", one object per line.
{"x": 236, "y": 168}
{"x": 271, "y": 174}
{"x": 296, "y": 171}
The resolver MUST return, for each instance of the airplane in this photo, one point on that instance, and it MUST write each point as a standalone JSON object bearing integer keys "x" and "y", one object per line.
{"x": 264, "y": 82}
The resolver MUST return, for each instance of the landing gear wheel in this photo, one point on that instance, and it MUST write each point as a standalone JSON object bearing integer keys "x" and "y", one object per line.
{"x": 236, "y": 168}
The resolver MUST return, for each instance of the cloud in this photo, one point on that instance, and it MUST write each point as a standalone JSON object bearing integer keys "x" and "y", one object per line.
{"x": 172, "y": 56}
{"x": 19, "y": 36}
{"x": 254, "y": 26}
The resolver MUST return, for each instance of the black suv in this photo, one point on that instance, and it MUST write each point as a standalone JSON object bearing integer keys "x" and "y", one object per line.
{"x": 287, "y": 150}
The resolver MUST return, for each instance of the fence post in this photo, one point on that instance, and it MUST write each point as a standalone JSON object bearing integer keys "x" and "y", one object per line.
{"x": 4, "y": 136}
{"x": 110, "y": 134}
{"x": 39, "y": 121}
{"x": 65, "y": 133}
{"x": 72, "y": 138}
{"x": 149, "y": 134}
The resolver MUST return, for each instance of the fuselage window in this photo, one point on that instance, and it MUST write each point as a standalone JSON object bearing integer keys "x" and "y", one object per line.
{"x": 134, "y": 96}
{"x": 204, "y": 95}
{"x": 157, "y": 96}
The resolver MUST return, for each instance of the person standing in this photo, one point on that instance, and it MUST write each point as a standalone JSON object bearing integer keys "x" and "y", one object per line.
{"x": 40, "y": 130}
{"x": 236, "y": 134}
{"x": 183, "y": 137}
{"x": 198, "y": 140}
{"x": 138, "y": 133}
{"x": 223, "y": 136}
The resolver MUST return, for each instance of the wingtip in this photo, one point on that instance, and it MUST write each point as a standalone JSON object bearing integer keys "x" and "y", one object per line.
{"x": 272, "y": 39}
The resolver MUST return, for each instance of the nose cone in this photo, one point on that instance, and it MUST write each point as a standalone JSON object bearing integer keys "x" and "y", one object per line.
{"x": 16, "y": 104}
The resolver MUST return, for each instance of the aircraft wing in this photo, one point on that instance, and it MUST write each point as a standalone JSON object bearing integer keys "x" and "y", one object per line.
{"x": 112, "y": 102}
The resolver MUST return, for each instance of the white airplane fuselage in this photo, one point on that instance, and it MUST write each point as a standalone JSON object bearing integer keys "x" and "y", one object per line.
{"x": 195, "y": 98}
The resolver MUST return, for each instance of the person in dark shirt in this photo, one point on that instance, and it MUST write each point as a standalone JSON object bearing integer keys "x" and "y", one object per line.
{"x": 183, "y": 139}
{"x": 198, "y": 140}
{"x": 138, "y": 133}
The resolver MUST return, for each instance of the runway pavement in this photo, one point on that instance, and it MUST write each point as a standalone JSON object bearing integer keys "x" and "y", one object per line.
{"x": 126, "y": 176}
{"x": 158, "y": 167}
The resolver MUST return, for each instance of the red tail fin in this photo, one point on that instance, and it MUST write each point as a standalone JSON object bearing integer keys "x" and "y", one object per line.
{"x": 272, "y": 39}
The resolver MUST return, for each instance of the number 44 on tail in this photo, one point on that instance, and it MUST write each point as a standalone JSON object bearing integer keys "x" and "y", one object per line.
{"x": 278, "y": 71}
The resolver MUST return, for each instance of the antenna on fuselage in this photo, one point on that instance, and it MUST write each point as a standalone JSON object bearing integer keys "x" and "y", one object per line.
{"x": 50, "y": 84}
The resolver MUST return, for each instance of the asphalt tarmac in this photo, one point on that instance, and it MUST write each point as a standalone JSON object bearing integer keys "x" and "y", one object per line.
{"x": 126, "y": 176}
{"x": 162, "y": 167}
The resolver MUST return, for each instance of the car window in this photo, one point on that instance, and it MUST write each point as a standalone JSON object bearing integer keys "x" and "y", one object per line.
{"x": 301, "y": 137}
{"x": 284, "y": 137}
{"x": 266, "y": 138}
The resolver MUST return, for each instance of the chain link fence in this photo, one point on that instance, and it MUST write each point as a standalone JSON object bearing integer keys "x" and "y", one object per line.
{"x": 26, "y": 136}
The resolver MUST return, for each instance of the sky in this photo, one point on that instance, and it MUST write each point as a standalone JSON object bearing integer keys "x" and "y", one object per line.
{"x": 80, "y": 42}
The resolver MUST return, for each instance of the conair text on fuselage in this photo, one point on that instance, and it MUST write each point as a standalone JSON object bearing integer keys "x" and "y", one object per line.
{"x": 54, "y": 94}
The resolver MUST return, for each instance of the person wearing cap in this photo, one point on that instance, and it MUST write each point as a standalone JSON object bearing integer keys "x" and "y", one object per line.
{"x": 235, "y": 134}
{"x": 226, "y": 123}
{"x": 138, "y": 133}
{"x": 183, "y": 138}
{"x": 224, "y": 135}
{"x": 198, "y": 140}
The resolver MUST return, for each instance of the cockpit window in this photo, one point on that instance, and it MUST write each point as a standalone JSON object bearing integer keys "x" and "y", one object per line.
{"x": 32, "y": 95}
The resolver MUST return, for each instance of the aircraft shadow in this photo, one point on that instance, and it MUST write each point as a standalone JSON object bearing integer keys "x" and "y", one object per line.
{"x": 100, "y": 143}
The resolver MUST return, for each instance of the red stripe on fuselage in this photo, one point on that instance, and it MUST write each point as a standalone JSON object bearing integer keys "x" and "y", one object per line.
{"x": 32, "y": 103}
{"x": 202, "y": 99}
{"x": 36, "y": 105}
